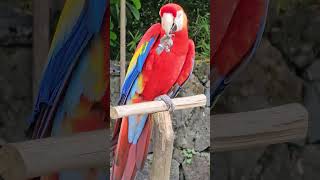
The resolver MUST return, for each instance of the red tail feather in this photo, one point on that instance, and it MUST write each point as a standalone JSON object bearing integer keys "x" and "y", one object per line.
{"x": 129, "y": 158}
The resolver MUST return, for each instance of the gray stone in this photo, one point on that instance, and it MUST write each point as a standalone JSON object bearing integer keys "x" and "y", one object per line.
{"x": 311, "y": 162}
{"x": 311, "y": 33}
{"x": 279, "y": 162}
{"x": 236, "y": 164}
{"x": 177, "y": 155}
{"x": 312, "y": 103}
{"x": 199, "y": 168}
{"x": 145, "y": 173}
{"x": 192, "y": 87}
{"x": 174, "y": 172}
{"x": 201, "y": 70}
{"x": 193, "y": 129}
{"x": 202, "y": 138}
{"x": 313, "y": 72}
{"x": 114, "y": 82}
{"x": 266, "y": 82}
{"x": 16, "y": 92}
{"x": 301, "y": 61}
{"x": 2, "y": 142}
{"x": 15, "y": 24}
{"x": 114, "y": 89}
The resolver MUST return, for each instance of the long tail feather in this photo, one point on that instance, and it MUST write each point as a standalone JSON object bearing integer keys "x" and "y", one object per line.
{"x": 129, "y": 158}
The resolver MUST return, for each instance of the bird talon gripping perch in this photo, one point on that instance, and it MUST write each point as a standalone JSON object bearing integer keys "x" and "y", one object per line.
{"x": 167, "y": 100}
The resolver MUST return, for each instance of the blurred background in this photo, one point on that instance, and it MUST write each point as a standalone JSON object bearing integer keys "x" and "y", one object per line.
{"x": 286, "y": 69}
{"x": 22, "y": 58}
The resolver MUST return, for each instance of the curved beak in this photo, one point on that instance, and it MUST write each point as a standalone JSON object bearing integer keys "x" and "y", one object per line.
{"x": 167, "y": 22}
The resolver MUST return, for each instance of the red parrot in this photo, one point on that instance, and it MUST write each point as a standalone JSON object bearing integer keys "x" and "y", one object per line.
{"x": 238, "y": 26}
{"x": 161, "y": 64}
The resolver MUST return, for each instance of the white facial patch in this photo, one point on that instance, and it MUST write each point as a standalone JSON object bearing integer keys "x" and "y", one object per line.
{"x": 166, "y": 22}
{"x": 179, "y": 20}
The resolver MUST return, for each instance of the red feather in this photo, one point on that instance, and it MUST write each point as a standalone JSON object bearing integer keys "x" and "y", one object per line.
{"x": 234, "y": 42}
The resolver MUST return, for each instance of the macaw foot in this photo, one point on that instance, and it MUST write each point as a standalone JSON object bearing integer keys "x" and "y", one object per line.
{"x": 166, "y": 99}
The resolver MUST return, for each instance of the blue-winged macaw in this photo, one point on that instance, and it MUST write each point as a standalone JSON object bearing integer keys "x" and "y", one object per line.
{"x": 74, "y": 91}
{"x": 237, "y": 28}
{"x": 161, "y": 64}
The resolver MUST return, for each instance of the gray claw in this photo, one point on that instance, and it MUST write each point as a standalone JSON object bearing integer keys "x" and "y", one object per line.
{"x": 167, "y": 100}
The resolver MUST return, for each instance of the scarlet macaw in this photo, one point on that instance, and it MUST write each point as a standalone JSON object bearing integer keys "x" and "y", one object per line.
{"x": 161, "y": 64}
{"x": 74, "y": 91}
{"x": 237, "y": 28}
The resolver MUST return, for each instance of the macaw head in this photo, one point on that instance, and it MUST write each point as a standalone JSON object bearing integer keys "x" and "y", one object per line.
{"x": 173, "y": 18}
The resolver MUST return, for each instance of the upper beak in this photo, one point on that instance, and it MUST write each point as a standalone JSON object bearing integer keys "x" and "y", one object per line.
{"x": 167, "y": 22}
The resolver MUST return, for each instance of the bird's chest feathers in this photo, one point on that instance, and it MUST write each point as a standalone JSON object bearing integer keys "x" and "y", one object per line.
{"x": 170, "y": 63}
{"x": 165, "y": 68}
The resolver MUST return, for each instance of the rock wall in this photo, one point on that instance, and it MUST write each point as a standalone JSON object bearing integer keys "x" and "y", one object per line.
{"x": 285, "y": 69}
{"x": 15, "y": 69}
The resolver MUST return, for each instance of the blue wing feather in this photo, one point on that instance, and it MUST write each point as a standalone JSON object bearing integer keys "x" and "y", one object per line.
{"x": 133, "y": 75}
{"x": 63, "y": 59}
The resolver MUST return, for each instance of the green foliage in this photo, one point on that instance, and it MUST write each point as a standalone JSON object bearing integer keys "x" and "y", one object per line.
{"x": 134, "y": 40}
{"x": 200, "y": 33}
{"x": 132, "y": 11}
{"x": 188, "y": 154}
{"x": 198, "y": 16}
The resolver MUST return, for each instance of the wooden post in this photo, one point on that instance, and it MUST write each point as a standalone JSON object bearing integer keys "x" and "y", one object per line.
{"x": 163, "y": 148}
{"x": 122, "y": 41}
{"x": 41, "y": 34}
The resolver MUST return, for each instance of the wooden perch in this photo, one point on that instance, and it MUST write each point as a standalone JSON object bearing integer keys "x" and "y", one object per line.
{"x": 44, "y": 156}
{"x": 285, "y": 123}
{"x": 157, "y": 106}
{"x": 230, "y": 131}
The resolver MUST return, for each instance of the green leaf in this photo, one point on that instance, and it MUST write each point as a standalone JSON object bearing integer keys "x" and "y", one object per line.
{"x": 189, "y": 161}
{"x": 113, "y": 36}
{"x": 134, "y": 11}
{"x": 137, "y": 4}
{"x": 111, "y": 24}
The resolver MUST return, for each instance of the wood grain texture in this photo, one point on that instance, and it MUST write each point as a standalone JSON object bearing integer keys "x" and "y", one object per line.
{"x": 43, "y": 156}
{"x": 157, "y": 106}
{"x": 11, "y": 164}
{"x": 163, "y": 146}
{"x": 285, "y": 123}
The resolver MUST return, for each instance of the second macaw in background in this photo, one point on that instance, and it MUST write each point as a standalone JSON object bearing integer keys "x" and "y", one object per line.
{"x": 237, "y": 28}
{"x": 161, "y": 64}
{"x": 74, "y": 91}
